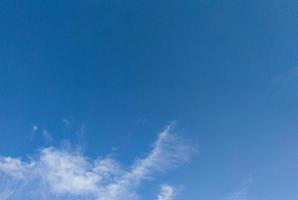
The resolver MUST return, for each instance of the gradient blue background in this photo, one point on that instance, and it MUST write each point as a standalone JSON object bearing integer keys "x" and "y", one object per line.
{"x": 226, "y": 71}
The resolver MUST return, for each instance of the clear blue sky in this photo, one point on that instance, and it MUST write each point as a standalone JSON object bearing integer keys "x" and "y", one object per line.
{"x": 109, "y": 75}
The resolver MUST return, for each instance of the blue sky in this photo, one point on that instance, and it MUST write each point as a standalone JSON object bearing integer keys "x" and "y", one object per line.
{"x": 161, "y": 100}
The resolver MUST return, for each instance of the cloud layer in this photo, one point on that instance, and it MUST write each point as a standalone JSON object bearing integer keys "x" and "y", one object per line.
{"x": 58, "y": 174}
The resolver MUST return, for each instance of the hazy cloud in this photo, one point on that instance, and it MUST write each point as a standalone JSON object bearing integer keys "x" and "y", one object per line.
{"x": 243, "y": 192}
{"x": 47, "y": 136}
{"x": 34, "y": 128}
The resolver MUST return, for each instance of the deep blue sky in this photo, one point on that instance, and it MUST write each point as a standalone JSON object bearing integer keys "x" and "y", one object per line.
{"x": 225, "y": 71}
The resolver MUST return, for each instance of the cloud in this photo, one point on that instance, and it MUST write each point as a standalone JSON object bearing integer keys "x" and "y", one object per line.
{"x": 239, "y": 195}
{"x": 47, "y": 136}
{"x": 34, "y": 128}
{"x": 243, "y": 191}
{"x": 167, "y": 192}
{"x": 60, "y": 174}
{"x": 44, "y": 133}
{"x": 66, "y": 123}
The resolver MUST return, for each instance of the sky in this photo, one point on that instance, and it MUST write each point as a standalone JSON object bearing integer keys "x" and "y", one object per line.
{"x": 148, "y": 100}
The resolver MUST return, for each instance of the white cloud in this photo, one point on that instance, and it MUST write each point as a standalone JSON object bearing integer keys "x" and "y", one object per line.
{"x": 14, "y": 168}
{"x": 167, "y": 192}
{"x": 61, "y": 174}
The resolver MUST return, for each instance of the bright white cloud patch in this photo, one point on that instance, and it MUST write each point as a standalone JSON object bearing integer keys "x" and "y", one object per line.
{"x": 167, "y": 192}
{"x": 60, "y": 174}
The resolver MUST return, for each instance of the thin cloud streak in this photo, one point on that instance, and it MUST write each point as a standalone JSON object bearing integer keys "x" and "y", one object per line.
{"x": 243, "y": 191}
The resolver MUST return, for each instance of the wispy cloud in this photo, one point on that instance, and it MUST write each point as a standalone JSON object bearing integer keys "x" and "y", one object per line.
{"x": 238, "y": 195}
{"x": 59, "y": 174}
{"x": 47, "y": 136}
{"x": 44, "y": 133}
{"x": 243, "y": 192}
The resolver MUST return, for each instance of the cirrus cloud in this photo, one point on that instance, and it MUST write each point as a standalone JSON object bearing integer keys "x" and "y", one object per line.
{"x": 60, "y": 174}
